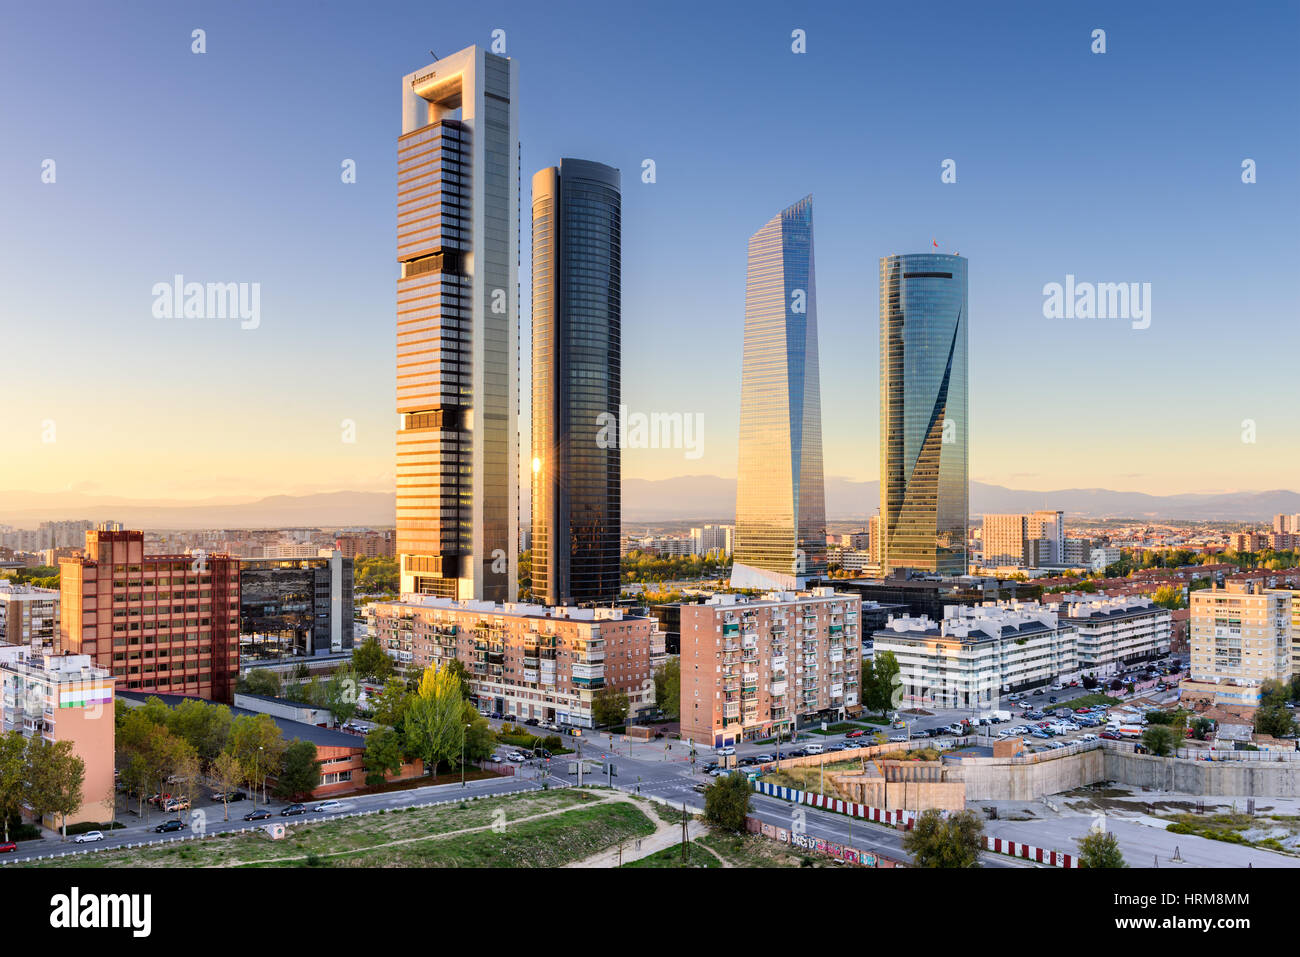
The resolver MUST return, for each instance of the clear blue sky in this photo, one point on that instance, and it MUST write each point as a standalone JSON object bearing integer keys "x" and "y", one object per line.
{"x": 225, "y": 167}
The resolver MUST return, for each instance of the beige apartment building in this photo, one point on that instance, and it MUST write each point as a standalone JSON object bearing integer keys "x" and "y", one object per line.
{"x": 527, "y": 661}
{"x": 65, "y": 698}
{"x": 754, "y": 667}
{"x": 1241, "y": 636}
{"x": 1003, "y": 538}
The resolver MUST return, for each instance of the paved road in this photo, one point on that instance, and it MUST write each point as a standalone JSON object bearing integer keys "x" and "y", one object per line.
{"x": 213, "y": 824}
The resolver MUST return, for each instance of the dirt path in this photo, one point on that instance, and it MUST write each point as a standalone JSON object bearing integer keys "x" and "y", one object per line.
{"x": 667, "y": 834}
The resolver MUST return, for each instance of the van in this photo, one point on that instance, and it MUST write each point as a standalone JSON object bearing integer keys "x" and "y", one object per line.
{"x": 1000, "y": 715}
{"x": 813, "y": 749}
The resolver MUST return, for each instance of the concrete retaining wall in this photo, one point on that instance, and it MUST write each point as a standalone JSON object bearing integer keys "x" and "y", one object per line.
{"x": 995, "y": 779}
{"x": 1237, "y": 778}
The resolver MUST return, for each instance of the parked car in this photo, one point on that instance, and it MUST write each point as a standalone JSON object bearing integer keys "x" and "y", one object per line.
{"x": 796, "y": 753}
{"x": 764, "y": 758}
{"x": 328, "y": 806}
{"x": 1052, "y": 699}
{"x": 8, "y": 846}
{"x": 1110, "y": 736}
{"x": 1088, "y": 737}
{"x": 856, "y": 734}
{"x": 293, "y": 810}
{"x": 725, "y": 751}
{"x": 90, "y": 837}
{"x": 177, "y": 804}
{"x": 1037, "y": 692}
{"x": 897, "y": 737}
{"x": 260, "y": 815}
{"x": 230, "y": 796}
{"x": 175, "y": 824}
{"x": 814, "y": 749}
{"x": 532, "y": 722}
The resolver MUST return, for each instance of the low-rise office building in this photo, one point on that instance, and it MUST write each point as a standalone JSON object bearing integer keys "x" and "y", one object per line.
{"x": 527, "y": 661}
{"x": 296, "y": 606}
{"x": 973, "y": 655}
{"x": 753, "y": 668}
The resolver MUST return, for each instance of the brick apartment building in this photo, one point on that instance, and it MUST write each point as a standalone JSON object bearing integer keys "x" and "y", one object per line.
{"x": 752, "y": 668}
{"x": 527, "y": 661}
{"x": 164, "y": 623}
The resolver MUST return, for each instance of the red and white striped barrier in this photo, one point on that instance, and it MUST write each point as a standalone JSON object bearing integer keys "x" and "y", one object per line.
{"x": 1028, "y": 853}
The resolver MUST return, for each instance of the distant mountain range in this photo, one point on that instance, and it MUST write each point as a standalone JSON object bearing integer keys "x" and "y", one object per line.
{"x": 713, "y": 497}
{"x": 686, "y": 497}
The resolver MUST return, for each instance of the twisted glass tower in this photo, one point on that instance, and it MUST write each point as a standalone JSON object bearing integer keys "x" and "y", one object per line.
{"x": 577, "y": 322}
{"x": 923, "y": 413}
{"x": 780, "y": 496}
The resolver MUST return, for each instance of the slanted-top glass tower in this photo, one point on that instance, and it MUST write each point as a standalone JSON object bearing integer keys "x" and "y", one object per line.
{"x": 923, "y": 413}
{"x": 458, "y": 328}
{"x": 780, "y": 496}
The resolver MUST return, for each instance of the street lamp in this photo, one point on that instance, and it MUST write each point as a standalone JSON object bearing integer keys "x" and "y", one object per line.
{"x": 462, "y": 757}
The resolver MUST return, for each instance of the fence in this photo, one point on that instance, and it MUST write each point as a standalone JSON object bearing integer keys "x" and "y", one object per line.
{"x": 895, "y": 817}
{"x": 1025, "y": 851}
{"x": 261, "y": 827}
{"x": 817, "y": 845}
{"x": 1207, "y": 754}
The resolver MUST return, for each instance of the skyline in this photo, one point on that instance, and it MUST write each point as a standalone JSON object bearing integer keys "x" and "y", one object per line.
{"x": 1031, "y": 206}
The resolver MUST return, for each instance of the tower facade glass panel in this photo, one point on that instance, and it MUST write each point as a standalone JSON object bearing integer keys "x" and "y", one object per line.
{"x": 924, "y": 484}
{"x": 780, "y": 536}
{"x": 577, "y": 348}
{"x": 458, "y": 328}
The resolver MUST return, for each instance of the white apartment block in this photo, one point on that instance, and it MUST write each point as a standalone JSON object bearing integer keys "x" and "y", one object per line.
{"x": 976, "y": 654}
{"x": 1240, "y": 637}
{"x": 29, "y": 615}
{"x": 1103, "y": 555}
{"x": 1114, "y": 632}
{"x": 712, "y": 538}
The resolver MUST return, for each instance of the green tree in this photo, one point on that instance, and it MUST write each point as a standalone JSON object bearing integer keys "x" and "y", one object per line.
{"x": 726, "y": 802}
{"x": 938, "y": 842}
{"x": 1201, "y": 728}
{"x": 338, "y": 695}
{"x": 371, "y": 661}
{"x": 885, "y": 685}
{"x": 226, "y": 775}
{"x": 383, "y": 755}
{"x": 258, "y": 745}
{"x": 609, "y": 707}
{"x": 13, "y": 776}
{"x": 1100, "y": 849}
{"x": 55, "y": 776}
{"x": 668, "y": 686}
{"x": 299, "y": 772}
{"x": 433, "y": 728}
{"x": 391, "y": 704}
{"x": 261, "y": 681}
{"x": 205, "y": 725}
{"x": 1160, "y": 739}
{"x": 480, "y": 740}
{"x": 1169, "y": 596}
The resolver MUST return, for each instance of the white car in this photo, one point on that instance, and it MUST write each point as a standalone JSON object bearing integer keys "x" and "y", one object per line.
{"x": 328, "y": 806}
{"x": 90, "y": 836}
{"x": 727, "y": 751}
{"x": 1089, "y": 737}
{"x": 896, "y": 737}
{"x": 516, "y": 757}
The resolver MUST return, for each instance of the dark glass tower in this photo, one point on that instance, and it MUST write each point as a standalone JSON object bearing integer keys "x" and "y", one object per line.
{"x": 923, "y": 413}
{"x": 780, "y": 495}
{"x": 577, "y": 315}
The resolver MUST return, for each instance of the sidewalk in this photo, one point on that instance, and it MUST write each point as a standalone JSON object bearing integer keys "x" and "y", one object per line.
{"x": 668, "y": 835}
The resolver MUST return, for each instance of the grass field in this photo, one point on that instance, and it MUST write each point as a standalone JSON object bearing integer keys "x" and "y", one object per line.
{"x": 672, "y": 857}
{"x": 749, "y": 850}
{"x": 580, "y": 824}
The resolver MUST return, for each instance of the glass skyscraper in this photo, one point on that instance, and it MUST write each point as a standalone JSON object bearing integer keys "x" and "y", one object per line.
{"x": 458, "y": 328}
{"x": 780, "y": 536}
{"x": 577, "y": 356}
{"x": 923, "y": 413}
